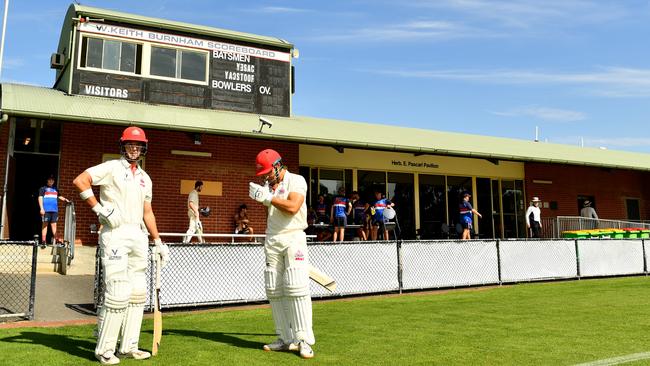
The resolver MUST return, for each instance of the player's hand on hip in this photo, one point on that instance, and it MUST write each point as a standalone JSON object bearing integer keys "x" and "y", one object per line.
{"x": 259, "y": 193}
{"x": 107, "y": 215}
{"x": 162, "y": 250}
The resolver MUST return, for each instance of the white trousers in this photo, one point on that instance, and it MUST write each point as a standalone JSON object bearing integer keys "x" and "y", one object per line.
{"x": 124, "y": 255}
{"x": 193, "y": 229}
{"x": 287, "y": 286}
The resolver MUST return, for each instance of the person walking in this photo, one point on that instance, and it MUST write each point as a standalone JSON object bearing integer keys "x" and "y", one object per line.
{"x": 467, "y": 216}
{"x": 534, "y": 218}
{"x": 286, "y": 275}
{"x": 196, "y": 227}
{"x": 125, "y": 203}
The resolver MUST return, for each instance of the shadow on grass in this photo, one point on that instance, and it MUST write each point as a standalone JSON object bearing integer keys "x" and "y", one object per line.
{"x": 71, "y": 345}
{"x": 233, "y": 339}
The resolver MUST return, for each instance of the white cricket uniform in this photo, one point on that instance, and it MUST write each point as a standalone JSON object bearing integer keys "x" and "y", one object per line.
{"x": 194, "y": 227}
{"x": 124, "y": 251}
{"x": 287, "y": 265}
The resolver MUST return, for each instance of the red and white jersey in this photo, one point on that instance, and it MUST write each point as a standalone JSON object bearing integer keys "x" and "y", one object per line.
{"x": 122, "y": 188}
{"x": 280, "y": 222}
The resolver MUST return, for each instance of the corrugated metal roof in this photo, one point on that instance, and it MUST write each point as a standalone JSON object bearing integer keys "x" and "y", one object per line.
{"x": 23, "y": 100}
{"x": 178, "y": 26}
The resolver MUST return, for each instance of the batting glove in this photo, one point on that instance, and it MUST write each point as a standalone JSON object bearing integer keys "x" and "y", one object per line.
{"x": 260, "y": 193}
{"x": 107, "y": 215}
{"x": 162, "y": 250}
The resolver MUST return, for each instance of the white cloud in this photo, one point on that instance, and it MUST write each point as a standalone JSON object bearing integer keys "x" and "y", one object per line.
{"x": 410, "y": 31}
{"x": 530, "y": 13}
{"x": 608, "y": 81}
{"x": 282, "y": 9}
{"x": 12, "y": 63}
{"x": 619, "y": 142}
{"x": 543, "y": 113}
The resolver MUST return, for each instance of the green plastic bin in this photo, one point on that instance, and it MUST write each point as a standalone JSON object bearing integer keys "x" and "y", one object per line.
{"x": 645, "y": 234}
{"x": 632, "y": 234}
{"x": 618, "y": 234}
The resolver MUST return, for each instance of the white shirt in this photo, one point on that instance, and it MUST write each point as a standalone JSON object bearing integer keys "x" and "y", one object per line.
{"x": 122, "y": 189}
{"x": 537, "y": 214}
{"x": 194, "y": 198}
{"x": 278, "y": 221}
{"x": 588, "y": 212}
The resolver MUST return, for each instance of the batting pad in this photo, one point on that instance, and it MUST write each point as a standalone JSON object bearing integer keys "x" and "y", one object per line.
{"x": 130, "y": 333}
{"x": 274, "y": 294}
{"x": 296, "y": 282}
{"x": 273, "y": 289}
{"x": 113, "y": 309}
{"x": 299, "y": 303}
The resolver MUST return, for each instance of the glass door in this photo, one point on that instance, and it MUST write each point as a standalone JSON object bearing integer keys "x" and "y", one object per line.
{"x": 433, "y": 207}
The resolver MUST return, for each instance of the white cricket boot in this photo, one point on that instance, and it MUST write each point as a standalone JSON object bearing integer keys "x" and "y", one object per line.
{"x": 108, "y": 358}
{"x": 305, "y": 350}
{"x": 280, "y": 346}
{"x": 136, "y": 354}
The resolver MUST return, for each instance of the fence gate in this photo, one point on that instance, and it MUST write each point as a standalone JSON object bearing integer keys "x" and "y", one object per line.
{"x": 17, "y": 279}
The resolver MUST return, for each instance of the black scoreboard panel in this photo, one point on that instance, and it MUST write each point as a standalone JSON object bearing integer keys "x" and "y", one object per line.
{"x": 236, "y": 82}
{"x": 250, "y": 84}
{"x": 168, "y": 92}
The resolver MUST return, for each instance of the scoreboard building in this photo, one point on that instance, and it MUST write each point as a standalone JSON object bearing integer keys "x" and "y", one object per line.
{"x": 210, "y": 99}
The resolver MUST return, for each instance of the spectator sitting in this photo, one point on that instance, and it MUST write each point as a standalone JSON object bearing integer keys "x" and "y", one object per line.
{"x": 242, "y": 222}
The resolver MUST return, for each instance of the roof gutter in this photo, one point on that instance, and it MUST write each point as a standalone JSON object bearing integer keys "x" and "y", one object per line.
{"x": 313, "y": 141}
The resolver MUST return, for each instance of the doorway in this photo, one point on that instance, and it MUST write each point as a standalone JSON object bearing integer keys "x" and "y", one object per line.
{"x": 31, "y": 172}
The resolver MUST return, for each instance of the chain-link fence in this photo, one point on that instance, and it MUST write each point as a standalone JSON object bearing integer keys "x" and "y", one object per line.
{"x": 226, "y": 273}
{"x": 17, "y": 279}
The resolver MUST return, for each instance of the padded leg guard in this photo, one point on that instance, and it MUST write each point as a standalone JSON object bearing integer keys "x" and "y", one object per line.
{"x": 299, "y": 304}
{"x": 274, "y": 294}
{"x": 114, "y": 308}
{"x": 130, "y": 334}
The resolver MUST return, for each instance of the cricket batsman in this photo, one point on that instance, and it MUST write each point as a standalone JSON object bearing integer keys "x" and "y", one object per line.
{"x": 286, "y": 275}
{"x": 125, "y": 202}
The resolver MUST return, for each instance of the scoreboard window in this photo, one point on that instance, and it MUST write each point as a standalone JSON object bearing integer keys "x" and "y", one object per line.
{"x": 109, "y": 54}
{"x": 179, "y": 64}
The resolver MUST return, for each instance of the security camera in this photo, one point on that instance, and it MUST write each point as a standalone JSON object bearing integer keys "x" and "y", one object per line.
{"x": 265, "y": 121}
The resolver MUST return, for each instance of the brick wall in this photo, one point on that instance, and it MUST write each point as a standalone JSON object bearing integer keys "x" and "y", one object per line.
{"x": 609, "y": 187}
{"x": 232, "y": 163}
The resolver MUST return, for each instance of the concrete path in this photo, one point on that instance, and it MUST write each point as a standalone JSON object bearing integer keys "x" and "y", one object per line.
{"x": 61, "y": 298}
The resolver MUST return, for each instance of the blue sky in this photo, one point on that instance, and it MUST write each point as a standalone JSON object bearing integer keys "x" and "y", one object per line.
{"x": 579, "y": 70}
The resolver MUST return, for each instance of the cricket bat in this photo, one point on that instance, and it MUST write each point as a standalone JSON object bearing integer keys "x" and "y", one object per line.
{"x": 157, "y": 315}
{"x": 322, "y": 278}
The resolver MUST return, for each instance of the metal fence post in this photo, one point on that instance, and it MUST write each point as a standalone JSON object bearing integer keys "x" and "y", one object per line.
{"x": 32, "y": 286}
{"x": 499, "y": 260}
{"x": 399, "y": 264}
{"x": 645, "y": 260}
{"x": 577, "y": 259}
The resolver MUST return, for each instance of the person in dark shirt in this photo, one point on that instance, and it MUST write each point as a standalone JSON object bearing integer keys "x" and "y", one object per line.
{"x": 466, "y": 216}
{"x": 359, "y": 215}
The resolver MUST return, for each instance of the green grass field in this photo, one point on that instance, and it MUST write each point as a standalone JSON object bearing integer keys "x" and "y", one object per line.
{"x": 558, "y": 323}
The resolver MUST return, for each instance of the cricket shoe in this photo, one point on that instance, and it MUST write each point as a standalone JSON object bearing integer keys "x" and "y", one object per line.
{"x": 108, "y": 358}
{"x": 280, "y": 346}
{"x": 136, "y": 354}
{"x": 305, "y": 350}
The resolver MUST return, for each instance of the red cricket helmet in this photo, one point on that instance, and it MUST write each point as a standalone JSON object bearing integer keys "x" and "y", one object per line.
{"x": 133, "y": 134}
{"x": 266, "y": 160}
